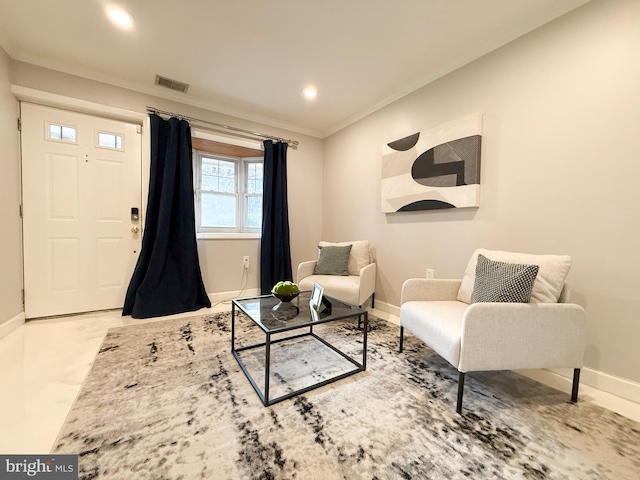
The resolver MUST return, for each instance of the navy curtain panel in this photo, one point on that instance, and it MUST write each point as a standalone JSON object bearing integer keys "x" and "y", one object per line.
{"x": 275, "y": 248}
{"x": 167, "y": 277}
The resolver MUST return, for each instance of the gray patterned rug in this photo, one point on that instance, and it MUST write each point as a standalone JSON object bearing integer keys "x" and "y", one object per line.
{"x": 167, "y": 400}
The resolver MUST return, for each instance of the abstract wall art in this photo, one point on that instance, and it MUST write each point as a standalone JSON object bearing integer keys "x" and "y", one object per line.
{"x": 434, "y": 169}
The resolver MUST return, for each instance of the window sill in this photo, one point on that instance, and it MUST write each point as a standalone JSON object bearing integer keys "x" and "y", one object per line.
{"x": 228, "y": 236}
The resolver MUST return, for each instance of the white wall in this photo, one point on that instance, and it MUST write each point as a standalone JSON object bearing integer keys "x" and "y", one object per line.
{"x": 560, "y": 171}
{"x": 221, "y": 260}
{"x": 11, "y": 238}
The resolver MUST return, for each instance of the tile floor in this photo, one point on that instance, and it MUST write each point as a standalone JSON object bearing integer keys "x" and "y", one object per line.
{"x": 44, "y": 362}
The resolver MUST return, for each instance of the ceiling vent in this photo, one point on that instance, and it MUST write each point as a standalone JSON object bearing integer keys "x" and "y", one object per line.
{"x": 172, "y": 84}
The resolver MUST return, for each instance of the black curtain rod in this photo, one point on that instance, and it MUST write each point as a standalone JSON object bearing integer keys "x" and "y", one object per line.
{"x": 196, "y": 121}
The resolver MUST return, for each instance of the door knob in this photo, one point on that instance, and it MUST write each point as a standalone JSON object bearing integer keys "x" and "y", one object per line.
{"x": 135, "y": 229}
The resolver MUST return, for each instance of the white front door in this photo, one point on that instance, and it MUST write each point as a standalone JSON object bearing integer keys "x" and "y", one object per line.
{"x": 81, "y": 177}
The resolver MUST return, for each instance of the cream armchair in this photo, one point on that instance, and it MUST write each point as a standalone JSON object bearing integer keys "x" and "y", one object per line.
{"x": 356, "y": 287}
{"x": 496, "y": 336}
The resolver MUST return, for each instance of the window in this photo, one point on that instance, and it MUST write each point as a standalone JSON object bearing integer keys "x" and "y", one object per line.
{"x": 253, "y": 194}
{"x": 61, "y": 133}
{"x": 110, "y": 140}
{"x": 228, "y": 194}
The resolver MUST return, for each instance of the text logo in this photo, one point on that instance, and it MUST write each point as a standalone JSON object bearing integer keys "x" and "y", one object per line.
{"x": 50, "y": 467}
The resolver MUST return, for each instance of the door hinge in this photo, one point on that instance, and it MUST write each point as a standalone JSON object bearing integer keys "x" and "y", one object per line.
{"x": 19, "y": 124}
{"x": 139, "y": 129}
{"x": 21, "y": 211}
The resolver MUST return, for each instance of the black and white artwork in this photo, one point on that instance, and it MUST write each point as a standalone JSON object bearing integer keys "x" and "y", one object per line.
{"x": 435, "y": 169}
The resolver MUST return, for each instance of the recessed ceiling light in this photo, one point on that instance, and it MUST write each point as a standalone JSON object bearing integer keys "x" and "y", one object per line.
{"x": 310, "y": 93}
{"x": 120, "y": 17}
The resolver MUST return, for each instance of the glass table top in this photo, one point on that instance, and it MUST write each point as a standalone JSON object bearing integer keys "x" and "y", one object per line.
{"x": 272, "y": 316}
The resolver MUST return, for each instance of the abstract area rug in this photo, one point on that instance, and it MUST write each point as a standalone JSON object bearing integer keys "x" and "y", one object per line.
{"x": 167, "y": 400}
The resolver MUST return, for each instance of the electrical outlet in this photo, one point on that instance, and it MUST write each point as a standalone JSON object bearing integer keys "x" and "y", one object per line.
{"x": 430, "y": 273}
{"x": 245, "y": 261}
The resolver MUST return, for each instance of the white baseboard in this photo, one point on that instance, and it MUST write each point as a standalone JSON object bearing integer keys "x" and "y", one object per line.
{"x": 560, "y": 378}
{"x": 613, "y": 384}
{"x": 383, "y": 310}
{"x": 222, "y": 296}
{"x": 10, "y": 325}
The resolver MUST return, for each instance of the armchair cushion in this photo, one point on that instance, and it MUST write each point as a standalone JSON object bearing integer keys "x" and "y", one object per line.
{"x": 353, "y": 289}
{"x": 438, "y": 324}
{"x": 552, "y": 272}
{"x": 359, "y": 256}
{"x": 342, "y": 287}
{"x": 333, "y": 260}
{"x": 503, "y": 282}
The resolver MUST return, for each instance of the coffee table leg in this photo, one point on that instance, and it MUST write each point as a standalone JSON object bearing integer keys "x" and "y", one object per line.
{"x": 267, "y": 362}
{"x": 233, "y": 326}
{"x": 364, "y": 346}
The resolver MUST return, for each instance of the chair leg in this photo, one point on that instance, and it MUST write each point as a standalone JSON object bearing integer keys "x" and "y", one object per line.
{"x": 401, "y": 338}
{"x": 360, "y": 324}
{"x": 576, "y": 382}
{"x": 460, "y": 392}
{"x": 373, "y": 299}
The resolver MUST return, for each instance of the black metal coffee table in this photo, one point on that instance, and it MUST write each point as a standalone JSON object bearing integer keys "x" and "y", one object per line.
{"x": 293, "y": 316}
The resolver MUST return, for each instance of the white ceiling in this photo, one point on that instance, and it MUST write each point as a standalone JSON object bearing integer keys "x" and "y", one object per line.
{"x": 251, "y": 58}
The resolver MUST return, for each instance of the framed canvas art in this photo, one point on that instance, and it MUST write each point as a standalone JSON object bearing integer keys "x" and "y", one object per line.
{"x": 435, "y": 169}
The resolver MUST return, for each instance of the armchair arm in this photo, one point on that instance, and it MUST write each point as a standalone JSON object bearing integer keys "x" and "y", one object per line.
{"x": 367, "y": 282}
{"x": 498, "y": 336}
{"x": 428, "y": 289}
{"x": 305, "y": 269}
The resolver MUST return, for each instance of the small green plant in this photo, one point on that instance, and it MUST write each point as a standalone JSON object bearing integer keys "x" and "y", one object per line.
{"x": 285, "y": 288}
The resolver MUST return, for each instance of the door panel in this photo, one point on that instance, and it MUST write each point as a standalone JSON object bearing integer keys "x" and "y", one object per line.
{"x": 65, "y": 264}
{"x": 109, "y": 255}
{"x": 63, "y": 187}
{"x": 79, "y": 249}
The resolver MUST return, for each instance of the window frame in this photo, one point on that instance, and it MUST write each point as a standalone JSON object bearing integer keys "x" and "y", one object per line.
{"x": 241, "y": 194}
{"x": 49, "y": 138}
{"x": 99, "y": 132}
